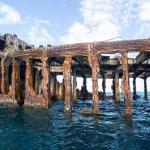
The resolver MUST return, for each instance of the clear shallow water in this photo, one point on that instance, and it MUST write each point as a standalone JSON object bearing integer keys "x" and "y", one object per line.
{"x": 24, "y": 128}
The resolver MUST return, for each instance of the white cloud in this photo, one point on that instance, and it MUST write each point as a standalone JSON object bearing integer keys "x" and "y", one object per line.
{"x": 82, "y": 33}
{"x": 106, "y": 19}
{"x": 9, "y": 15}
{"x": 39, "y": 36}
{"x": 145, "y": 11}
{"x": 38, "y": 31}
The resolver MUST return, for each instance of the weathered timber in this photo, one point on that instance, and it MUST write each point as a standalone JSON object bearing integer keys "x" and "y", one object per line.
{"x": 15, "y": 82}
{"x": 145, "y": 88}
{"x": 125, "y": 85}
{"x": 104, "y": 84}
{"x": 93, "y": 62}
{"x": 116, "y": 87}
{"x": 74, "y": 86}
{"x": 45, "y": 82}
{"x": 67, "y": 83}
{"x": 134, "y": 88}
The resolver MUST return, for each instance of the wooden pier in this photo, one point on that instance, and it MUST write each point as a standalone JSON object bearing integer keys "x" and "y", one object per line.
{"x": 28, "y": 74}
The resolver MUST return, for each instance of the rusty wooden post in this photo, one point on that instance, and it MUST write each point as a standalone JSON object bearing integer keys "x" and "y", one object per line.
{"x": 116, "y": 87}
{"x": 67, "y": 83}
{"x": 125, "y": 84}
{"x": 45, "y": 82}
{"x": 134, "y": 88}
{"x": 3, "y": 78}
{"x": 74, "y": 86}
{"x": 94, "y": 64}
{"x": 84, "y": 88}
{"x": 145, "y": 87}
{"x": 37, "y": 81}
{"x": 28, "y": 80}
{"x": 15, "y": 81}
{"x": 0, "y": 76}
{"x": 104, "y": 84}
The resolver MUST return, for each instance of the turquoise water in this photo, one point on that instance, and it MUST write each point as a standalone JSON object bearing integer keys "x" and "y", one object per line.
{"x": 26, "y": 128}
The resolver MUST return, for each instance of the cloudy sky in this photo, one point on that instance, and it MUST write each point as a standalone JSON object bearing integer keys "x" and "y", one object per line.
{"x": 69, "y": 21}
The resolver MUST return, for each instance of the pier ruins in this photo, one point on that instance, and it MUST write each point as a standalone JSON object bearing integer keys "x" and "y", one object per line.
{"x": 28, "y": 74}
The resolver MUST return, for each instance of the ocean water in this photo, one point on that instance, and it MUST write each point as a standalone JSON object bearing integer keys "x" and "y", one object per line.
{"x": 31, "y": 129}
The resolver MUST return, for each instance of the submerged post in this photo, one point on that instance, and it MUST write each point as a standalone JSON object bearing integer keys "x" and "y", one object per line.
{"x": 2, "y": 73}
{"x": 84, "y": 88}
{"x": 134, "y": 88}
{"x": 67, "y": 83}
{"x": 125, "y": 84}
{"x": 15, "y": 81}
{"x": 74, "y": 86}
{"x": 37, "y": 81}
{"x": 5, "y": 77}
{"x": 145, "y": 87}
{"x": 116, "y": 87}
{"x": 94, "y": 64}
{"x": 45, "y": 82}
{"x": 28, "y": 80}
{"x": 104, "y": 85}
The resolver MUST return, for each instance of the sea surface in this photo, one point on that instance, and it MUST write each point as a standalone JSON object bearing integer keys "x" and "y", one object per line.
{"x": 31, "y": 129}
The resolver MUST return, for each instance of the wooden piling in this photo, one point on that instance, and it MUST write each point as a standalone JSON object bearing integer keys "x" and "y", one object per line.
{"x": 45, "y": 82}
{"x": 37, "y": 81}
{"x": 134, "y": 88}
{"x": 28, "y": 80}
{"x": 15, "y": 81}
{"x": 94, "y": 64}
{"x": 104, "y": 84}
{"x": 125, "y": 84}
{"x": 2, "y": 73}
{"x": 74, "y": 86}
{"x": 116, "y": 87}
{"x": 67, "y": 83}
{"x": 145, "y": 88}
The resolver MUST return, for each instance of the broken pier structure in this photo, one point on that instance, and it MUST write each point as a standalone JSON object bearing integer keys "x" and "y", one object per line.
{"x": 29, "y": 75}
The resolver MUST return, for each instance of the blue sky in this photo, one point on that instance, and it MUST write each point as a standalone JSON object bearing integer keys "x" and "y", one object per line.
{"x": 70, "y": 21}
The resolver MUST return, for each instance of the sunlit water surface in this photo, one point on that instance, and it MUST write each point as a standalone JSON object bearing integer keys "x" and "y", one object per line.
{"x": 26, "y": 128}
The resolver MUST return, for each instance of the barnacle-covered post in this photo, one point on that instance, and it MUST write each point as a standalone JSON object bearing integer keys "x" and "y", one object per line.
{"x": 104, "y": 84}
{"x": 45, "y": 82}
{"x": 67, "y": 83}
{"x": 5, "y": 75}
{"x": 125, "y": 84}
{"x": 94, "y": 64}
{"x": 74, "y": 86}
{"x": 15, "y": 80}
{"x": 37, "y": 80}
{"x": 116, "y": 87}
{"x": 145, "y": 87}
{"x": 84, "y": 94}
{"x": 134, "y": 88}
{"x": 2, "y": 73}
{"x": 28, "y": 80}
